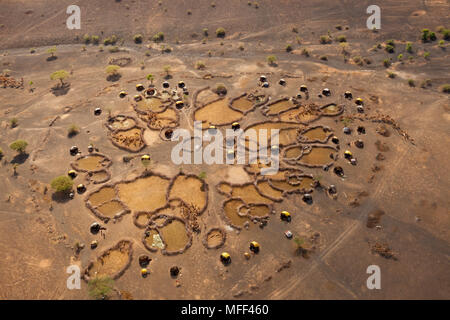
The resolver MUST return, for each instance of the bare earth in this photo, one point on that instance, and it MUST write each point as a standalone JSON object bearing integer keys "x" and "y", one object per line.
{"x": 396, "y": 197}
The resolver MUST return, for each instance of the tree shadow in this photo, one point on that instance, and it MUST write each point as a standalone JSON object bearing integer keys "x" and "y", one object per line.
{"x": 61, "y": 197}
{"x": 52, "y": 58}
{"x": 20, "y": 158}
{"x": 61, "y": 90}
{"x": 114, "y": 77}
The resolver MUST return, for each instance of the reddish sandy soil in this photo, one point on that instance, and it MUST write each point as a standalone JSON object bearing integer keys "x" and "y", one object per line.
{"x": 38, "y": 230}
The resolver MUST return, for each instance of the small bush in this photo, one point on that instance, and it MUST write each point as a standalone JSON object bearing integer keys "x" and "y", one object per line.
{"x": 32, "y": 50}
{"x": 445, "y": 88}
{"x": 95, "y": 39}
{"x": 14, "y": 122}
{"x": 110, "y": 41}
{"x": 387, "y": 63}
{"x": 19, "y": 146}
{"x": 425, "y": 83}
{"x": 432, "y": 36}
{"x": 289, "y": 48}
{"x": 391, "y": 75}
{"x": 86, "y": 39}
{"x": 220, "y": 32}
{"x": 400, "y": 57}
{"x": 205, "y": 32}
{"x": 1, "y": 153}
{"x": 114, "y": 49}
{"x": 411, "y": 83}
{"x": 446, "y": 34}
{"x": 221, "y": 89}
{"x": 271, "y": 60}
{"x": 112, "y": 69}
{"x": 137, "y": 38}
{"x": 342, "y": 38}
{"x": 159, "y": 37}
{"x": 73, "y": 130}
{"x": 200, "y": 65}
{"x": 358, "y": 60}
{"x": 62, "y": 184}
{"x": 426, "y": 55}
{"x": 409, "y": 47}
{"x": 325, "y": 39}
{"x": 324, "y": 58}
{"x": 305, "y": 52}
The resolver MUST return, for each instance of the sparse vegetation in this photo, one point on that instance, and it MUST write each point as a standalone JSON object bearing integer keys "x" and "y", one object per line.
{"x": 220, "y": 89}
{"x": 137, "y": 38}
{"x": 289, "y": 48}
{"x": 60, "y": 75}
{"x": 272, "y": 60}
{"x": 52, "y": 52}
{"x": 390, "y": 46}
{"x": 62, "y": 184}
{"x": 200, "y": 65}
{"x": 110, "y": 41}
{"x": 391, "y": 75}
{"x": 409, "y": 47}
{"x": 411, "y": 83}
{"x": 73, "y": 130}
{"x": 86, "y": 39}
{"x": 387, "y": 63}
{"x": 167, "y": 70}
{"x": 426, "y": 55}
{"x": 202, "y": 175}
{"x": 114, "y": 49}
{"x": 112, "y": 69}
{"x": 342, "y": 38}
{"x": 19, "y": 146}
{"x": 150, "y": 78}
{"x": 445, "y": 88}
{"x": 14, "y": 122}
{"x": 305, "y": 52}
{"x": 325, "y": 39}
{"x": 358, "y": 60}
{"x": 95, "y": 39}
{"x": 159, "y": 37}
{"x": 100, "y": 287}
{"x": 428, "y": 35}
{"x": 220, "y": 32}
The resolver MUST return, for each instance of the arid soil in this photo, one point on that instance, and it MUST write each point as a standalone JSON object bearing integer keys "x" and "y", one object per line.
{"x": 389, "y": 209}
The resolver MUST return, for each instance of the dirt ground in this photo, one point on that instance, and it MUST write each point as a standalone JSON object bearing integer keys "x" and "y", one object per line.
{"x": 402, "y": 170}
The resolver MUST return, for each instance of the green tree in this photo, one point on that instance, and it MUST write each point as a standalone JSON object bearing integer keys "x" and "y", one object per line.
{"x": 19, "y": 146}
{"x": 112, "y": 69}
{"x": 62, "y": 184}
{"x": 51, "y": 51}
{"x": 150, "y": 78}
{"x": 59, "y": 75}
{"x": 271, "y": 60}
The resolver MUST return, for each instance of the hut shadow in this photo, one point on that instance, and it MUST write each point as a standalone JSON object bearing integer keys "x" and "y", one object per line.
{"x": 61, "y": 90}
{"x": 20, "y": 158}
